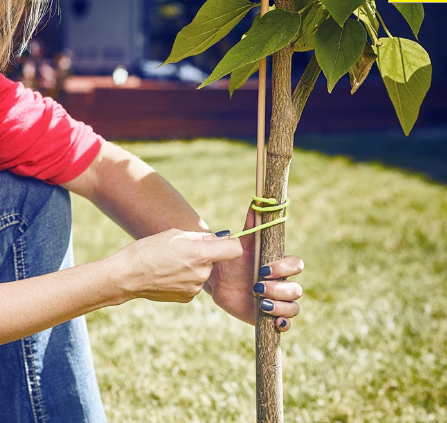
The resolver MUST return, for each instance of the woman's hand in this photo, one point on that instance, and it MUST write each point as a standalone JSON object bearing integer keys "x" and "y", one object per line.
{"x": 170, "y": 266}
{"x": 231, "y": 285}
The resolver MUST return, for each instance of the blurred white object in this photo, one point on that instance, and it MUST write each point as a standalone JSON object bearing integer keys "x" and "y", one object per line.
{"x": 185, "y": 71}
{"x": 120, "y": 75}
{"x": 189, "y": 73}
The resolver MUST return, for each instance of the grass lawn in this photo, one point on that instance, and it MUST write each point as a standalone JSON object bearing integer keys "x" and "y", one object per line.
{"x": 370, "y": 344}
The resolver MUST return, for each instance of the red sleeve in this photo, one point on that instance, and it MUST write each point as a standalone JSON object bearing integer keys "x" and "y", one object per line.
{"x": 38, "y": 138}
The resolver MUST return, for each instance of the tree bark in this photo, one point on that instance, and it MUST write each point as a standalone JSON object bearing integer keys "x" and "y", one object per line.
{"x": 279, "y": 155}
{"x": 286, "y": 113}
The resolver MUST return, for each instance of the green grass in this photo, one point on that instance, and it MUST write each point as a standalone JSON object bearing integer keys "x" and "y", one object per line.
{"x": 370, "y": 344}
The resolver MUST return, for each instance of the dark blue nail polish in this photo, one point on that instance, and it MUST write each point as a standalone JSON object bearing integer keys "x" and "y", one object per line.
{"x": 265, "y": 271}
{"x": 283, "y": 323}
{"x": 259, "y": 288}
{"x": 267, "y": 305}
{"x": 221, "y": 234}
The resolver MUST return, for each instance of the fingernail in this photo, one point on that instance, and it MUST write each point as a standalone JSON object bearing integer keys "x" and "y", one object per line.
{"x": 265, "y": 271}
{"x": 283, "y": 323}
{"x": 221, "y": 234}
{"x": 267, "y": 305}
{"x": 259, "y": 288}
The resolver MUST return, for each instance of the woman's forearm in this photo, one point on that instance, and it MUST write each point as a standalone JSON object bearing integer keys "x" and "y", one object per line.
{"x": 134, "y": 195}
{"x": 32, "y": 305}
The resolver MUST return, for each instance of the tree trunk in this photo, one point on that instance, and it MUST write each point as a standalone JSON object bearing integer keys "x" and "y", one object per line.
{"x": 279, "y": 155}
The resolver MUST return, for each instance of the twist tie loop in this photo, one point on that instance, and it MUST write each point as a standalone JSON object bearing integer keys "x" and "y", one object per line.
{"x": 272, "y": 207}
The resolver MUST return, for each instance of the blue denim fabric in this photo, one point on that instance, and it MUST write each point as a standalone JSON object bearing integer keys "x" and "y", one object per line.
{"x": 48, "y": 377}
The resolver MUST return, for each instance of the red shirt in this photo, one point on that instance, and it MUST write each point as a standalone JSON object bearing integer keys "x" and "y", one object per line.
{"x": 38, "y": 138}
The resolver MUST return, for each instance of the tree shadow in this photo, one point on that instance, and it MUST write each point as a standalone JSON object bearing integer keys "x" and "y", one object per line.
{"x": 424, "y": 152}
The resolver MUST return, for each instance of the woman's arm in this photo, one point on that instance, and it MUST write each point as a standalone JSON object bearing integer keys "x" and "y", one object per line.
{"x": 134, "y": 195}
{"x": 35, "y": 304}
{"x": 170, "y": 266}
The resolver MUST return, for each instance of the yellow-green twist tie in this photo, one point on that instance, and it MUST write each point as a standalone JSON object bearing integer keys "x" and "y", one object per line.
{"x": 271, "y": 208}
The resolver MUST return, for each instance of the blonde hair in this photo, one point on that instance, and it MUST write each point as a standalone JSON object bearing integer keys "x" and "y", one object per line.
{"x": 18, "y": 21}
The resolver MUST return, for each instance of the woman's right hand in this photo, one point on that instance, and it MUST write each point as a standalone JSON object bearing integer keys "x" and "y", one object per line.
{"x": 171, "y": 266}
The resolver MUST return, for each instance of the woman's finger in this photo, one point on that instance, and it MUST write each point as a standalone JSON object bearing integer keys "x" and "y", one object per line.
{"x": 283, "y": 324}
{"x": 280, "y": 308}
{"x": 288, "y": 266}
{"x": 283, "y": 291}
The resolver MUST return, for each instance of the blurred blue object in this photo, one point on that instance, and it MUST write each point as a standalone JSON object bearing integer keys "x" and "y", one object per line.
{"x": 184, "y": 71}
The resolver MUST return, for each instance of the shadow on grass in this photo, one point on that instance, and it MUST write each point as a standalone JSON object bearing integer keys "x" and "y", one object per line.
{"x": 424, "y": 152}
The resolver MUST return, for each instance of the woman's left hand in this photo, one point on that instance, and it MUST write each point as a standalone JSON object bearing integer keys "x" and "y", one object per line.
{"x": 231, "y": 285}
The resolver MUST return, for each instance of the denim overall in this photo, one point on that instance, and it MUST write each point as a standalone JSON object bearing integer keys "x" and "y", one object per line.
{"x": 47, "y": 377}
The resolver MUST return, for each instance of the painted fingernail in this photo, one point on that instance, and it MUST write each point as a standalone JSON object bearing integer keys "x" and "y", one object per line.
{"x": 267, "y": 305}
{"x": 259, "y": 288}
{"x": 221, "y": 234}
{"x": 283, "y": 323}
{"x": 265, "y": 271}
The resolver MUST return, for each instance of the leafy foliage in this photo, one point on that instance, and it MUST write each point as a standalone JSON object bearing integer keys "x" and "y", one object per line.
{"x": 340, "y": 10}
{"x": 338, "y": 48}
{"x": 340, "y": 45}
{"x": 275, "y": 30}
{"x": 359, "y": 72}
{"x": 366, "y": 13}
{"x": 413, "y": 14}
{"x": 239, "y": 76}
{"x": 300, "y": 5}
{"x": 406, "y": 71}
{"x": 311, "y": 16}
{"x": 214, "y": 20}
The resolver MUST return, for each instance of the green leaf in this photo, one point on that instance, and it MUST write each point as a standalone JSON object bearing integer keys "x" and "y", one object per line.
{"x": 413, "y": 14}
{"x": 239, "y": 76}
{"x": 367, "y": 14}
{"x": 214, "y": 20}
{"x": 338, "y": 49}
{"x": 359, "y": 72}
{"x": 340, "y": 10}
{"x": 300, "y": 5}
{"x": 311, "y": 17}
{"x": 276, "y": 29}
{"x": 406, "y": 71}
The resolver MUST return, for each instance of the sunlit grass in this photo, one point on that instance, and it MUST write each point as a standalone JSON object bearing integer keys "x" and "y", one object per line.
{"x": 371, "y": 342}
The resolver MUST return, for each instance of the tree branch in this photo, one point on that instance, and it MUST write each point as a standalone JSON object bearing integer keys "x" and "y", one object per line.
{"x": 305, "y": 86}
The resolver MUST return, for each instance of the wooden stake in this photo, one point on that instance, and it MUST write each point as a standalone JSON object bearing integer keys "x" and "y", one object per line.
{"x": 260, "y": 148}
